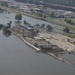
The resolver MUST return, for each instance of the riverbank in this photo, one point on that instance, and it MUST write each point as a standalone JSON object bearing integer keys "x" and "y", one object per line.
{"x": 21, "y": 58}
{"x": 60, "y": 40}
{"x": 53, "y": 54}
{"x": 23, "y": 39}
{"x": 43, "y": 40}
{"x": 50, "y": 20}
{"x": 37, "y": 43}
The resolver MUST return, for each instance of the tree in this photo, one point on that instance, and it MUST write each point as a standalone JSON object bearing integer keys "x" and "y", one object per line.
{"x": 25, "y": 22}
{"x": 8, "y": 25}
{"x": 1, "y": 26}
{"x": 37, "y": 25}
{"x": 52, "y": 14}
{"x": 47, "y": 3}
{"x": 69, "y": 21}
{"x": 44, "y": 16}
{"x": 49, "y": 28}
{"x": 40, "y": 14}
{"x": 42, "y": 25}
{"x": 66, "y": 30}
{"x": 10, "y": 22}
{"x": 5, "y": 4}
{"x": 6, "y": 32}
{"x": 18, "y": 17}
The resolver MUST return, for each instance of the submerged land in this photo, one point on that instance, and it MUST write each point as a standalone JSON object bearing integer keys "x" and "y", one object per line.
{"x": 34, "y": 11}
{"x": 30, "y": 46}
{"x": 41, "y": 39}
{"x": 61, "y": 41}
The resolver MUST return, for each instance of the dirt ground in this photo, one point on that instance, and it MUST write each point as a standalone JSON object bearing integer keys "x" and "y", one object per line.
{"x": 59, "y": 40}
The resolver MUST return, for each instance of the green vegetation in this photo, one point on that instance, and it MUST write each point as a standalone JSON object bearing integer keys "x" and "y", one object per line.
{"x": 10, "y": 22}
{"x": 48, "y": 2}
{"x": 69, "y": 21}
{"x": 1, "y": 26}
{"x": 49, "y": 28}
{"x": 52, "y": 14}
{"x": 1, "y": 10}
{"x": 42, "y": 25}
{"x": 26, "y": 23}
{"x": 6, "y": 32}
{"x": 66, "y": 30}
{"x": 58, "y": 21}
{"x": 69, "y": 35}
{"x": 6, "y": 28}
{"x": 4, "y": 4}
{"x": 55, "y": 4}
{"x": 37, "y": 25}
{"x": 18, "y": 17}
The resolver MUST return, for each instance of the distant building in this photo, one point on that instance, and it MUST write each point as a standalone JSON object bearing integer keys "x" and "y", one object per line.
{"x": 25, "y": 9}
{"x": 69, "y": 14}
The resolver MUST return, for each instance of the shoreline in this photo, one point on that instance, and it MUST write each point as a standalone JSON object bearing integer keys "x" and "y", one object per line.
{"x": 25, "y": 40}
{"x": 38, "y": 50}
{"x": 72, "y": 29}
{"x": 30, "y": 44}
{"x": 52, "y": 41}
{"x": 37, "y": 17}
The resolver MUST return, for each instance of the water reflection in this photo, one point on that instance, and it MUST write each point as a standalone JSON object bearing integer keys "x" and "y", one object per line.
{"x": 18, "y": 23}
{"x": 18, "y": 59}
{"x": 55, "y": 54}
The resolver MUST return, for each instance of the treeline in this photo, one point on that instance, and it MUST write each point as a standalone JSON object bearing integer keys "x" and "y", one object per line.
{"x": 60, "y": 7}
{"x": 60, "y": 2}
{"x": 29, "y": 1}
{"x": 69, "y": 21}
{"x": 4, "y": 4}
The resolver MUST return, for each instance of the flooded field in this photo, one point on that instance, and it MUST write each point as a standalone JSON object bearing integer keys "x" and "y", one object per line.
{"x": 16, "y": 58}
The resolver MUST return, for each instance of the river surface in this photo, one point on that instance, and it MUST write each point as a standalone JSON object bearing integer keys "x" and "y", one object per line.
{"x": 16, "y": 58}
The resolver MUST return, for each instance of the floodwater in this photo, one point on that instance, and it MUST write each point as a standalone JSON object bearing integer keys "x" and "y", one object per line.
{"x": 16, "y": 58}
